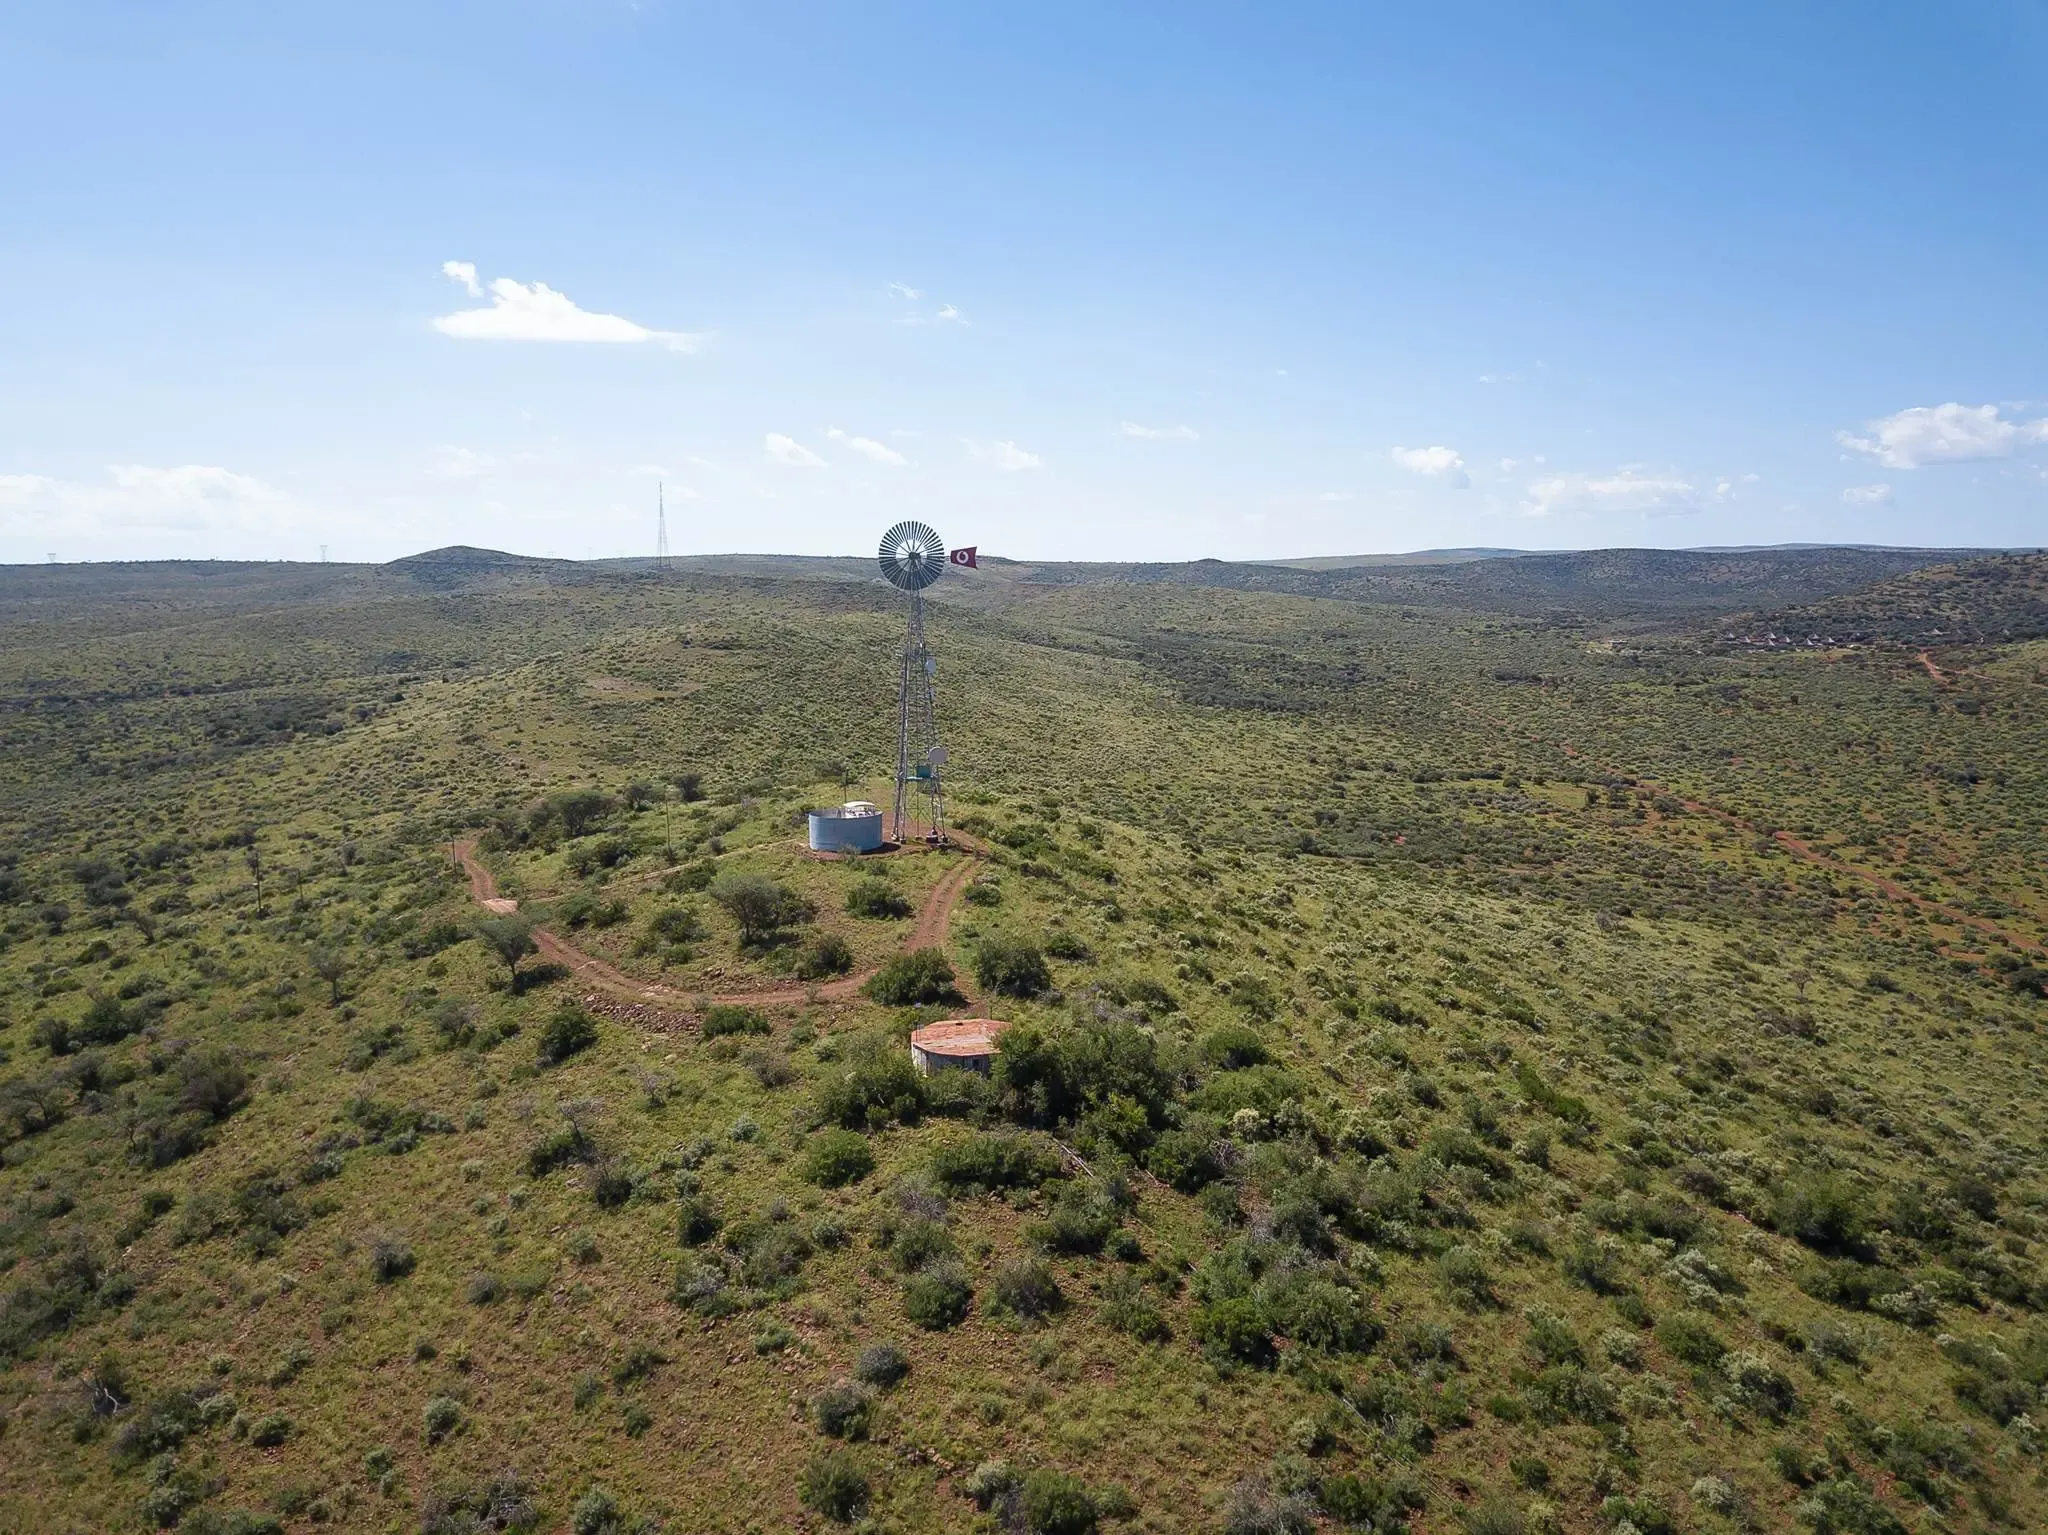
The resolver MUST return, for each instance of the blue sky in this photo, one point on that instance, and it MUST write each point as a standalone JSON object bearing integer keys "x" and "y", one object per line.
{"x": 1064, "y": 280}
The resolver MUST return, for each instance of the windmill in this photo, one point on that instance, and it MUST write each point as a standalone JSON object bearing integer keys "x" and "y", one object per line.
{"x": 913, "y": 557}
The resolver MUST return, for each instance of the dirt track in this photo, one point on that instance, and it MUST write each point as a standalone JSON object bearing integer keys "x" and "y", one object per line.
{"x": 637, "y": 1001}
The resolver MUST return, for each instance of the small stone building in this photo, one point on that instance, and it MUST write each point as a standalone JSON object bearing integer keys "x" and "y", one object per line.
{"x": 955, "y": 1044}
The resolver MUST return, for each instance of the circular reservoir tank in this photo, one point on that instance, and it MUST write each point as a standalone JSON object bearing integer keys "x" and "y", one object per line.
{"x": 855, "y": 827}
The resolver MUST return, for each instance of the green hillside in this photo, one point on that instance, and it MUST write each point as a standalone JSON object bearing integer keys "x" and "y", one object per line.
{"x": 1468, "y": 1072}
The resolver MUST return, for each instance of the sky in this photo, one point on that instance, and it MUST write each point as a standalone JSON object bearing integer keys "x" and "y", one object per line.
{"x": 1125, "y": 281}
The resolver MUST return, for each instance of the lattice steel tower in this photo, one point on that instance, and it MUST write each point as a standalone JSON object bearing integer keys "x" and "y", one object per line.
{"x": 913, "y": 557}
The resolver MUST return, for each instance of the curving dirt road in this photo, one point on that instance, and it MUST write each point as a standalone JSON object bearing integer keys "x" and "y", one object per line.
{"x": 644, "y": 998}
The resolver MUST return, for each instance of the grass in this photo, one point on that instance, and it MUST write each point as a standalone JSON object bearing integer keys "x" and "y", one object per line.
{"x": 1430, "y": 1044}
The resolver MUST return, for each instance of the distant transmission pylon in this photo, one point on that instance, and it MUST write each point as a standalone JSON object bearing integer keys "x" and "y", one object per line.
{"x": 913, "y": 557}
{"x": 660, "y": 527}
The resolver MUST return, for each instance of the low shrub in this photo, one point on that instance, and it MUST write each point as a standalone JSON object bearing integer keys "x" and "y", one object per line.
{"x": 878, "y": 900}
{"x": 826, "y": 954}
{"x": 938, "y": 1298}
{"x": 836, "y": 1158}
{"x": 1028, "y": 1289}
{"x": 912, "y": 979}
{"x": 725, "y": 1019}
{"x": 1235, "y": 1331}
{"x": 835, "y": 1485}
{"x": 568, "y": 1032}
{"x": 1010, "y": 967}
{"x": 1053, "y": 1503}
{"x": 881, "y": 1364}
{"x": 843, "y": 1410}
{"x": 391, "y": 1258}
{"x": 984, "y": 1163}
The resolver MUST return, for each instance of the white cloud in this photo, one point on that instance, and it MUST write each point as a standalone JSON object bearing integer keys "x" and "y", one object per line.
{"x": 1428, "y": 460}
{"x": 1943, "y": 434}
{"x": 949, "y": 312}
{"x": 1159, "y": 433}
{"x": 1005, "y": 455}
{"x": 463, "y": 272}
{"x": 535, "y": 312}
{"x": 788, "y": 450}
{"x": 141, "y": 499}
{"x": 867, "y": 447}
{"x": 454, "y": 463}
{"x": 1625, "y": 490}
{"x": 903, "y": 290}
{"x": 1867, "y": 495}
{"x": 1435, "y": 461}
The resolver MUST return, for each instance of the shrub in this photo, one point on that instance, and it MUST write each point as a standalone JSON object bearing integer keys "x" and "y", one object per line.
{"x": 1845, "y": 1505}
{"x": 1256, "y": 1509}
{"x": 1371, "y": 1502}
{"x": 877, "y": 899}
{"x": 1495, "y": 1516}
{"x": 984, "y": 1163}
{"x": 838, "y": 1157}
{"x": 1187, "y": 1159}
{"x": 874, "y": 1090}
{"x": 1028, "y": 1289}
{"x": 912, "y": 979}
{"x": 636, "y": 1420}
{"x": 1011, "y": 967}
{"x": 1235, "y": 1331}
{"x": 270, "y": 1430}
{"x": 443, "y": 1416}
{"x": 725, "y": 1019}
{"x": 1054, "y": 1503}
{"x": 484, "y": 1288}
{"x": 881, "y": 1364}
{"x": 1126, "y": 1310}
{"x": 827, "y": 954}
{"x": 844, "y": 1410}
{"x": 597, "y": 1513}
{"x": 938, "y": 1298}
{"x": 391, "y": 1258}
{"x": 1826, "y": 1213}
{"x": 676, "y": 924}
{"x": 1234, "y": 1046}
{"x": 920, "y": 1244}
{"x": 1463, "y": 1272}
{"x": 835, "y": 1485}
{"x": 761, "y": 906}
{"x": 1080, "y": 1222}
{"x": 568, "y": 1032}
{"x": 1691, "y": 1339}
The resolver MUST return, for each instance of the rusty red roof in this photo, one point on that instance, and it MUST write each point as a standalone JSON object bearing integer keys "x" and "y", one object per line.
{"x": 959, "y": 1036}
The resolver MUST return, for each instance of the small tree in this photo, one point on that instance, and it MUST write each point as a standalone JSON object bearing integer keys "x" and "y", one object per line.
{"x": 761, "y": 906}
{"x": 510, "y": 938}
{"x": 922, "y": 975}
{"x": 330, "y": 967}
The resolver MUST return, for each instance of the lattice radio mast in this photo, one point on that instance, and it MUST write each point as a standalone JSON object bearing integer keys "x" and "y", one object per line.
{"x": 660, "y": 527}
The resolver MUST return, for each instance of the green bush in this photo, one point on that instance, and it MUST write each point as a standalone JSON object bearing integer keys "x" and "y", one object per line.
{"x": 938, "y": 1298}
{"x": 877, "y": 899}
{"x": 881, "y": 1364}
{"x": 1826, "y": 1213}
{"x": 912, "y": 979}
{"x": 1691, "y": 1339}
{"x": 597, "y": 1513}
{"x": 986, "y": 1162}
{"x": 569, "y": 1031}
{"x": 1053, "y": 1503}
{"x": 1011, "y": 967}
{"x": 872, "y": 1091}
{"x": 1235, "y": 1331}
{"x": 826, "y": 954}
{"x": 1080, "y": 1221}
{"x": 1234, "y": 1046}
{"x": 1028, "y": 1289}
{"x": 724, "y": 1018}
{"x": 270, "y": 1430}
{"x": 1188, "y": 1159}
{"x": 844, "y": 1410}
{"x": 835, "y": 1485}
{"x": 838, "y": 1157}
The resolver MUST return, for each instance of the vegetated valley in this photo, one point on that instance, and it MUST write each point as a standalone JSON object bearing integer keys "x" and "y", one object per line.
{"x": 1505, "y": 1048}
